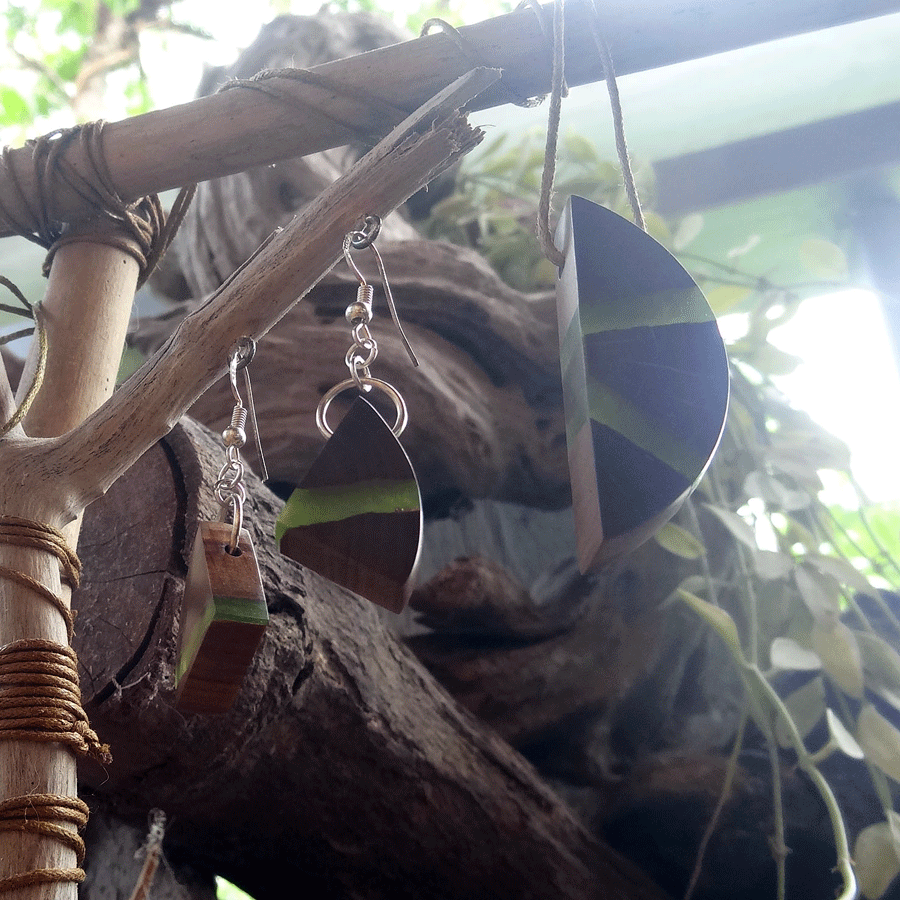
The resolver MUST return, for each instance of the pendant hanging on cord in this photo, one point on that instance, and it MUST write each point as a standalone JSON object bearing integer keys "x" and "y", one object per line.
{"x": 645, "y": 380}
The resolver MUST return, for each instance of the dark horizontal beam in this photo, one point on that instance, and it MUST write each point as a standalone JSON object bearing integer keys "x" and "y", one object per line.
{"x": 780, "y": 161}
{"x": 367, "y": 94}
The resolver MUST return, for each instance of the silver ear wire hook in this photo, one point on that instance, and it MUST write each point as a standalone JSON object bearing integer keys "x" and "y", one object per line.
{"x": 229, "y": 489}
{"x": 359, "y": 240}
{"x": 242, "y": 355}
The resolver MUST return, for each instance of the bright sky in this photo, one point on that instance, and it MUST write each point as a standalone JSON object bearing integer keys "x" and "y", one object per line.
{"x": 848, "y": 382}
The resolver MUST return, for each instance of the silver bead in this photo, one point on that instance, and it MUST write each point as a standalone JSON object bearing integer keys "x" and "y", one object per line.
{"x": 234, "y": 436}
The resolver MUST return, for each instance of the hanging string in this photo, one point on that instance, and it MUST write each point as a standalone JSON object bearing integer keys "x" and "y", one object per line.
{"x": 475, "y": 60}
{"x": 37, "y": 379}
{"x": 143, "y": 230}
{"x": 557, "y": 80}
{"x": 612, "y": 88}
{"x": 40, "y": 701}
{"x": 551, "y": 251}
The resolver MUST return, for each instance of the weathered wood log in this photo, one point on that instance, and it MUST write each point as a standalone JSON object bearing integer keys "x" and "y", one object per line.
{"x": 342, "y": 767}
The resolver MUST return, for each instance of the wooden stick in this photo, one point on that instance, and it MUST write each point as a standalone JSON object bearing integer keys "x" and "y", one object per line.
{"x": 147, "y": 406}
{"x": 208, "y": 137}
{"x": 86, "y": 311}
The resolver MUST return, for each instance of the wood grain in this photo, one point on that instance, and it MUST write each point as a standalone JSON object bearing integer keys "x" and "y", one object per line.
{"x": 356, "y": 518}
{"x": 223, "y": 620}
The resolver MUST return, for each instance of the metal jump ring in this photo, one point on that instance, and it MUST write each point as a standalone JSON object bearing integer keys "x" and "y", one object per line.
{"x": 367, "y": 382}
{"x": 365, "y": 236}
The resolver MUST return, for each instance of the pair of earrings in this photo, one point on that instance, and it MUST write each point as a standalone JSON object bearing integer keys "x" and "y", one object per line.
{"x": 356, "y": 518}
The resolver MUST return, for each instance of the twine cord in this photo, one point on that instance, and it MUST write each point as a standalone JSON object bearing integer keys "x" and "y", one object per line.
{"x": 267, "y": 82}
{"x": 143, "y": 230}
{"x": 40, "y": 701}
{"x": 32, "y": 311}
{"x": 558, "y": 89}
{"x": 475, "y": 60}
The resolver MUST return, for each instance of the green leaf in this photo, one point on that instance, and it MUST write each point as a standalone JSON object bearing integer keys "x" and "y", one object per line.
{"x": 823, "y": 259}
{"x": 726, "y": 297}
{"x": 839, "y": 569}
{"x": 770, "y": 489}
{"x": 880, "y": 660}
{"x": 771, "y": 565}
{"x": 845, "y": 741}
{"x": 819, "y": 592}
{"x": 876, "y": 860}
{"x": 719, "y": 619}
{"x": 879, "y": 740}
{"x": 657, "y": 228}
{"x": 806, "y": 707}
{"x": 836, "y": 646}
{"x": 786, "y": 653}
{"x": 15, "y": 109}
{"x": 687, "y": 230}
{"x": 682, "y": 543}
{"x": 771, "y": 360}
{"x": 734, "y": 523}
{"x": 580, "y": 149}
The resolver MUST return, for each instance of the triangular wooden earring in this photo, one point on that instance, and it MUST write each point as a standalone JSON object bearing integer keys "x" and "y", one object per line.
{"x": 356, "y": 518}
{"x": 645, "y": 380}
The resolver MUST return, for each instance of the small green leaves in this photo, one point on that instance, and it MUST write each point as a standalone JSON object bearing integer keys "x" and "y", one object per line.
{"x": 841, "y": 738}
{"x": 771, "y": 565}
{"x": 688, "y": 229}
{"x": 820, "y": 593}
{"x": 725, "y": 297}
{"x": 734, "y": 523}
{"x": 719, "y": 619}
{"x": 880, "y": 741}
{"x": 806, "y": 707}
{"x": 682, "y": 543}
{"x": 876, "y": 859}
{"x": 786, "y": 653}
{"x": 836, "y": 646}
{"x": 823, "y": 259}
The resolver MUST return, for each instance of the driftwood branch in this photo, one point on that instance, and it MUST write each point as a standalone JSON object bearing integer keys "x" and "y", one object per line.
{"x": 367, "y": 94}
{"x": 94, "y": 454}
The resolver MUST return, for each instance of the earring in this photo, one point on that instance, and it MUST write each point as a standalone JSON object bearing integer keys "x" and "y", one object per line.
{"x": 223, "y": 613}
{"x": 356, "y": 518}
{"x": 645, "y": 380}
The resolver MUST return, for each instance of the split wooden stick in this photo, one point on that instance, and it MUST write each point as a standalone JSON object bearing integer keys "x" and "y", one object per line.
{"x": 147, "y": 406}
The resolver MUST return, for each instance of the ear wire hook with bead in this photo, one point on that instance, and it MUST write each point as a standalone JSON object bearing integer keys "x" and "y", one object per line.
{"x": 229, "y": 488}
{"x": 361, "y": 311}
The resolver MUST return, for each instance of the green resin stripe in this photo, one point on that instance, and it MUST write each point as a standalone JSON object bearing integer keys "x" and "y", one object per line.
{"x": 334, "y": 503}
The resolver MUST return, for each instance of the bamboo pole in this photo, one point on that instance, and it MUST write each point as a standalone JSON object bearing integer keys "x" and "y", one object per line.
{"x": 369, "y": 93}
{"x": 51, "y": 479}
{"x": 86, "y": 310}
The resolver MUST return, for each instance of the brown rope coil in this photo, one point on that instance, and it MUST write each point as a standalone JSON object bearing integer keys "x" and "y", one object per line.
{"x": 40, "y": 701}
{"x": 145, "y": 232}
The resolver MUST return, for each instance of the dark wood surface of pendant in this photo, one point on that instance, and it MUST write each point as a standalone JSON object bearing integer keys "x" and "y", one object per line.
{"x": 356, "y": 517}
{"x": 223, "y": 619}
{"x": 645, "y": 380}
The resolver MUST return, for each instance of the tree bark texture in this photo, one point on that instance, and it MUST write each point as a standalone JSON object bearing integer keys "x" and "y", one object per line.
{"x": 343, "y": 767}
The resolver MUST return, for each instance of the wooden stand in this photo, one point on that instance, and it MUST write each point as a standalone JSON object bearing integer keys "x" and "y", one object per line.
{"x": 223, "y": 619}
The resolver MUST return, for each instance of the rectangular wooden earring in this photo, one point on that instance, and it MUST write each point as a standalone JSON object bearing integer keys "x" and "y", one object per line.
{"x": 223, "y": 613}
{"x": 224, "y": 617}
